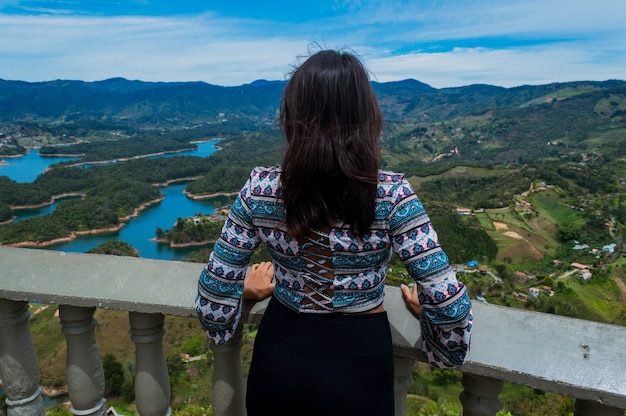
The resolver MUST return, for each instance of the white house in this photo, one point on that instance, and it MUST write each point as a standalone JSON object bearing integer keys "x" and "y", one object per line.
{"x": 609, "y": 248}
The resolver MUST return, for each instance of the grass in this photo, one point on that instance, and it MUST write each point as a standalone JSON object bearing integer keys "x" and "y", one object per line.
{"x": 505, "y": 215}
{"x": 457, "y": 171}
{"x": 620, "y": 167}
{"x": 528, "y": 237}
{"x": 113, "y": 337}
{"x": 602, "y": 298}
{"x": 485, "y": 221}
{"x": 45, "y": 329}
{"x": 520, "y": 240}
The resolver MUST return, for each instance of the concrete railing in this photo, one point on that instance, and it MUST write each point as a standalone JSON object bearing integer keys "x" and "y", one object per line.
{"x": 578, "y": 358}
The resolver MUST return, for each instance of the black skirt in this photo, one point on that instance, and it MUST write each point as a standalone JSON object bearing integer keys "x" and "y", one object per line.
{"x": 321, "y": 364}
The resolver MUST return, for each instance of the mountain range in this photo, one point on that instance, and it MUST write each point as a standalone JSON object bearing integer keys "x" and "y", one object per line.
{"x": 172, "y": 104}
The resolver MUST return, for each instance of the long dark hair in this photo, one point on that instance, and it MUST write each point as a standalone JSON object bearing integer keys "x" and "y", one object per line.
{"x": 332, "y": 122}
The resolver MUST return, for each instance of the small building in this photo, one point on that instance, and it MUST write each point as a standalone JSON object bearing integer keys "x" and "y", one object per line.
{"x": 585, "y": 274}
{"x": 472, "y": 264}
{"x": 112, "y": 412}
{"x": 580, "y": 266}
{"x": 522, "y": 275}
{"x": 609, "y": 248}
{"x": 521, "y": 296}
{"x": 534, "y": 291}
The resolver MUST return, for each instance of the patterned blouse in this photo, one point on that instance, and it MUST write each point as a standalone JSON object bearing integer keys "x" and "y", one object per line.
{"x": 359, "y": 266}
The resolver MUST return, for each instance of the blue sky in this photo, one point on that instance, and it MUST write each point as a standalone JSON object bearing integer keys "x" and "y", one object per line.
{"x": 443, "y": 43}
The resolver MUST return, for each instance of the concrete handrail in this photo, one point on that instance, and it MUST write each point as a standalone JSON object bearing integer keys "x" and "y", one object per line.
{"x": 583, "y": 359}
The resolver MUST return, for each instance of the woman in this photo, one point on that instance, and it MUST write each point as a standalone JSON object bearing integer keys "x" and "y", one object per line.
{"x": 330, "y": 219}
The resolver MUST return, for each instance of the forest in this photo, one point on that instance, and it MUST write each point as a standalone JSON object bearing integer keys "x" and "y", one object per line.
{"x": 110, "y": 193}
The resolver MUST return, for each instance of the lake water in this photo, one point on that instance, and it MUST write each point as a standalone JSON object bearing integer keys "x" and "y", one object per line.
{"x": 26, "y": 168}
{"x": 140, "y": 230}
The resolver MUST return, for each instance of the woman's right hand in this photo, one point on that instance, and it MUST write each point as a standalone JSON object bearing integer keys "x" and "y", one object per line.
{"x": 259, "y": 281}
{"x": 409, "y": 294}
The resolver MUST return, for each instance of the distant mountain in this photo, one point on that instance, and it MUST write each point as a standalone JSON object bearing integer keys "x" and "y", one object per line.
{"x": 170, "y": 104}
{"x": 413, "y": 100}
{"x": 135, "y": 102}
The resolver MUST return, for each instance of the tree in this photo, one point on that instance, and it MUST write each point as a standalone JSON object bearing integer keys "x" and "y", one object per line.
{"x": 5, "y": 212}
{"x": 113, "y": 375}
{"x": 568, "y": 231}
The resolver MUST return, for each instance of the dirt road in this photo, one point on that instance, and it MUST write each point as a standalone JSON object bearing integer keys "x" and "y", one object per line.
{"x": 622, "y": 289}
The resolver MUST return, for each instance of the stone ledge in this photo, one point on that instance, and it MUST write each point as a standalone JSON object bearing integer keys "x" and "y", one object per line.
{"x": 583, "y": 359}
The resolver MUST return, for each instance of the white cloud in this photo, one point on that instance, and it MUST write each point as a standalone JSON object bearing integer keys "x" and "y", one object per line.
{"x": 441, "y": 43}
{"x": 506, "y": 67}
{"x": 159, "y": 49}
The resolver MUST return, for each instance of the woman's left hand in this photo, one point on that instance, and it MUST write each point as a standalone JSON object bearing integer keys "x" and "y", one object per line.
{"x": 409, "y": 294}
{"x": 259, "y": 281}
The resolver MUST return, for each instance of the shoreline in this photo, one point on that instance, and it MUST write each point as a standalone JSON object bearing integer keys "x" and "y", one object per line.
{"x": 54, "y": 391}
{"x": 141, "y": 208}
{"x": 9, "y": 221}
{"x": 9, "y": 157}
{"x": 171, "y": 181}
{"x": 73, "y": 234}
{"x": 52, "y": 200}
{"x": 117, "y": 160}
{"x": 105, "y": 161}
{"x": 63, "y": 155}
{"x": 183, "y": 245}
{"x": 206, "y": 196}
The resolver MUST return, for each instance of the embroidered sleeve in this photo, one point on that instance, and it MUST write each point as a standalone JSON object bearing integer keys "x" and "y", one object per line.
{"x": 220, "y": 285}
{"x": 446, "y": 318}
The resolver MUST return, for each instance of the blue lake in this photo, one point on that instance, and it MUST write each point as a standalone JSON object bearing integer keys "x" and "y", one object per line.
{"x": 140, "y": 230}
{"x": 26, "y": 168}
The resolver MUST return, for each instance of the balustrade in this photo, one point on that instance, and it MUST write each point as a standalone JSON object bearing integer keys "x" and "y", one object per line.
{"x": 85, "y": 377}
{"x": 19, "y": 367}
{"x": 582, "y": 359}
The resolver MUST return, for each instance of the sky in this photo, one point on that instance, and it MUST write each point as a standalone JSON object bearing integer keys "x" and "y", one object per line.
{"x": 443, "y": 43}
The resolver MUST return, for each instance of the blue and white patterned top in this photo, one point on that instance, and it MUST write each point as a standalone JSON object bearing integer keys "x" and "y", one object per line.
{"x": 359, "y": 266}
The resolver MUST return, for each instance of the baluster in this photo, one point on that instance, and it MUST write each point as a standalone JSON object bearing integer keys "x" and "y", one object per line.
{"x": 403, "y": 376}
{"x": 152, "y": 385}
{"x": 228, "y": 394}
{"x": 19, "y": 367}
{"x": 588, "y": 408}
{"x": 480, "y": 397}
{"x": 85, "y": 376}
